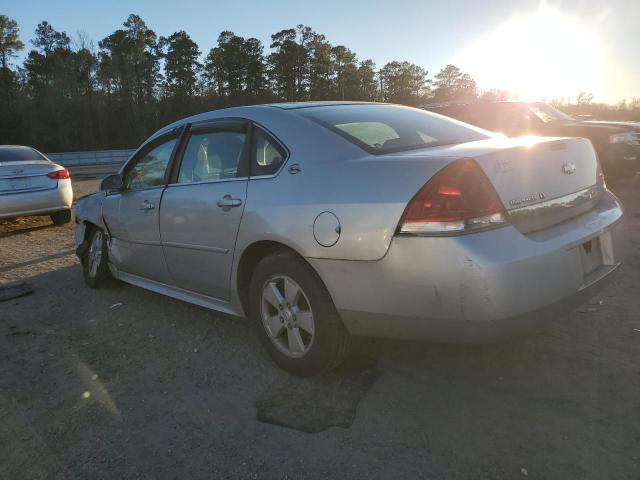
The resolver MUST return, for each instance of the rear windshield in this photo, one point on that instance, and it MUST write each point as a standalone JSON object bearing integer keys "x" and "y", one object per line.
{"x": 548, "y": 114}
{"x": 392, "y": 128}
{"x": 16, "y": 154}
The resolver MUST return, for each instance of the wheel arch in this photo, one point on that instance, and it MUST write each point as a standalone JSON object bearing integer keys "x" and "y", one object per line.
{"x": 251, "y": 256}
{"x": 88, "y": 228}
{"x": 83, "y": 237}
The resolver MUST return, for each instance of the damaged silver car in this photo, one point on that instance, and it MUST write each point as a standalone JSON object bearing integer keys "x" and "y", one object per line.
{"x": 323, "y": 221}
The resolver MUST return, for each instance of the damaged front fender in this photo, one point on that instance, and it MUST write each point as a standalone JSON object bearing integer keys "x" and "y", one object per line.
{"x": 88, "y": 211}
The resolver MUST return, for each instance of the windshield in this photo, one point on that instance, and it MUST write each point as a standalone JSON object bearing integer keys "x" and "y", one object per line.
{"x": 548, "y": 114}
{"x": 17, "y": 154}
{"x": 381, "y": 128}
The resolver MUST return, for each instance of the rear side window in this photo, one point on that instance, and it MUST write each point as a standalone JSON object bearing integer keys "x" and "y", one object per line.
{"x": 267, "y": 155}
{"x": 211, "y": 156}
{"x": 17, "y": 154}
{"x": 382, "y": 129}
{"x": 371, "y": 133}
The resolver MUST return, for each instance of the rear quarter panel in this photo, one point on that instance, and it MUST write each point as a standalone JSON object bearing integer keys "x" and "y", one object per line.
{"x": 367, "y": 193}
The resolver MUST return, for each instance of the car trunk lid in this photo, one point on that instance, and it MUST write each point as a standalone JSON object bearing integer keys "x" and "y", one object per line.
{"x": 545, "y": 182}
{"x": 541, "y": 181}
{"x": 26, "y": 176}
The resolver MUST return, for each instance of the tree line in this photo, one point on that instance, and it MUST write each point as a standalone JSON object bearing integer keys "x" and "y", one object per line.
{"x": 70, "y": 94}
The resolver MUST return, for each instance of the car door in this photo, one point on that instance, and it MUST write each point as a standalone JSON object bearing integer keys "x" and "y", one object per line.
{"x": 131, "y": 215}
{"x": 202, "y": 207}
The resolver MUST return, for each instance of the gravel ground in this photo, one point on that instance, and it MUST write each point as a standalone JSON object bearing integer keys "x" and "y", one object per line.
{"x": 124, "y": 383}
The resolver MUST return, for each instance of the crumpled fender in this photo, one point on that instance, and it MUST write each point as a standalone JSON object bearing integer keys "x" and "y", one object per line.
{"x": 87, "y": 210}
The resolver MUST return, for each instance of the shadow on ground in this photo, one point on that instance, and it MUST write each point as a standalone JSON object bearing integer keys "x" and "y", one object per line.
{"x": 19, "y": 226}
{"x": 314, "y": 404}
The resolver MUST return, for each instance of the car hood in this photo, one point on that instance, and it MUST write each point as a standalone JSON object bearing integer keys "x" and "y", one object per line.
{"x": 586, "y": 126}
{"x": 628, "y": 125}
{"x": 97, "y": 195}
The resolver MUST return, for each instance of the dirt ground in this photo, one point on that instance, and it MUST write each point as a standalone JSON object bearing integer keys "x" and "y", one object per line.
{"x": 125, "y": 383}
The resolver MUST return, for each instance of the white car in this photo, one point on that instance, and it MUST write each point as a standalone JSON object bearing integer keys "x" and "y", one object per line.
{"x": 31, "y": 184}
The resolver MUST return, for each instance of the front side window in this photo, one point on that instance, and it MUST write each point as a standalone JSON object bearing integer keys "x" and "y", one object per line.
{"x": 391, "y": 128}
{"x": 149, "y": 171}
{"x": 211, "y": 156}
{"x": 267, "y": 155}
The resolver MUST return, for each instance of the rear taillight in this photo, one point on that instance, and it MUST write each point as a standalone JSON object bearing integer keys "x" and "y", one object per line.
{"x": 457, "y": 199}
{"x": 599, "y": 174}
{"x": 61, "y": 174}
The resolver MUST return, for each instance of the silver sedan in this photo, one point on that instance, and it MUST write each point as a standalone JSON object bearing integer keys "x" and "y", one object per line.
{"x": 326, "y": 220}
{"x": 31, "y": 184}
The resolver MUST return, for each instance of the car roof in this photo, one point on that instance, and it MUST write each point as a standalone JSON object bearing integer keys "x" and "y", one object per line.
{"x": 241, "y": 110}
{"x": 477, "y": 102}
{"x": 29, "y": 153}
{"x": 15, "y": 147}
{"x": 329, "y": 103}
{"x": 18, "y": 148}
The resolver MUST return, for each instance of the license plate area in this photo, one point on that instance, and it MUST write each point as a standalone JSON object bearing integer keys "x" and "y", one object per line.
{"x": 26, "y": 184}
{"x": 591, "y": 255}
{"x": 20, "y": 183}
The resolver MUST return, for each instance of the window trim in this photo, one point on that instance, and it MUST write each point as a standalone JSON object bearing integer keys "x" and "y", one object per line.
{"x": 284, "y": 151}
{"x": 176, "y": 134}
{"x": 218, "y": 124}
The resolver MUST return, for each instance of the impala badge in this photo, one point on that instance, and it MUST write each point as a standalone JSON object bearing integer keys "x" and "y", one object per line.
{"x": 569, "y": 168}
{"x": 516, "y": 202}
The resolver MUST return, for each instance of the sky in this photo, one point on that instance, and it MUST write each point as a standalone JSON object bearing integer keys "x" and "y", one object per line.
{"x": 540, "y": 50}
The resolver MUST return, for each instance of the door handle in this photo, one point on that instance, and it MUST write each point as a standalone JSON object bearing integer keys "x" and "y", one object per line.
{"x": 147, "y": 205}
{"x": 228, "y": 202}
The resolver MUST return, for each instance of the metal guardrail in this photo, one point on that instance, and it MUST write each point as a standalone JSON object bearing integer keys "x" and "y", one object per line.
{"x": 98, "y": 157}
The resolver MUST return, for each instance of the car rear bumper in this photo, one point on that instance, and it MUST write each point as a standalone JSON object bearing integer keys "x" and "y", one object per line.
{"x": 37, "y": 202}
{"x": 477, "y": 287}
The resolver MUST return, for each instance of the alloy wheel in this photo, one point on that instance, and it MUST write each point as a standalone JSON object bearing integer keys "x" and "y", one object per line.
{"x": 287, "y": 316}
{"x": 94, "y": 256}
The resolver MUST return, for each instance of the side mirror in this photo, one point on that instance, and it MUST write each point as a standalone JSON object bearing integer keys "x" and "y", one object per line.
{"x": 112, "y": 182}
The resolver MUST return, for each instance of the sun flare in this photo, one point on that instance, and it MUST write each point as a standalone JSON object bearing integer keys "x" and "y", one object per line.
{"x": 540, "y": 56}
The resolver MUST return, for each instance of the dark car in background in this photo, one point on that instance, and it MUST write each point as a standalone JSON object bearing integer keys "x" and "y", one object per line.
{"x": 617, "y": 143}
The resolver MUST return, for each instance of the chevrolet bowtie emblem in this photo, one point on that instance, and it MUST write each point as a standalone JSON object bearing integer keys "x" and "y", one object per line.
{"x": 569, "y": 168}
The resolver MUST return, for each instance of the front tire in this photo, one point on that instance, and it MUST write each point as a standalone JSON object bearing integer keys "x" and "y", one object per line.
{"x": 94, "y": 262}
{"x": 295, "y": 317}
{"x": 61, "y": 217}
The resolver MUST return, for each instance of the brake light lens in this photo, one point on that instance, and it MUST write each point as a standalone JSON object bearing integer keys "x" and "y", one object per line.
{"x": 459, "y": 198}
{"x": 600, "y": 181}
{"x": 61, "y": 174}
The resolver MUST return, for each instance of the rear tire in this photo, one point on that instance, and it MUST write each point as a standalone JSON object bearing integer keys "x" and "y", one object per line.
{"x": 94, "y": 262}
{"x": 61, "y": 217}
{"x": 295, "y": 317}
